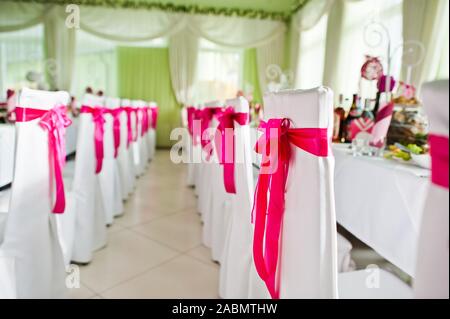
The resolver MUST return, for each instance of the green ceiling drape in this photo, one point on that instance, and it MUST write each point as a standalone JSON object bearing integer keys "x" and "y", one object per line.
{"x": 143, "y": 73}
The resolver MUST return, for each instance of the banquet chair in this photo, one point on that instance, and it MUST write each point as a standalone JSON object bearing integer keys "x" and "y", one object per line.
{"x": 91, "y": 219}
{"x": 111, "y": 151}
{"x": 31, "y": 231}
{"x": 307, "y": 264}
{"x": 126, "y": 156}
{"x": 236, "y": 259}
{"x": 221, "y": 201}
{"x": 209, "y": 157}
{"x": 307, "y": 260}
{"x": 432, "y": 268}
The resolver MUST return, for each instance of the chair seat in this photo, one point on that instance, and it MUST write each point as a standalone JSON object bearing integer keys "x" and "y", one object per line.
{"x": 357, "y": 285}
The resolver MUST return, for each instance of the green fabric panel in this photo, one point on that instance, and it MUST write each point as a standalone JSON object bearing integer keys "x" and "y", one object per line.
{"x": 250, "y": 74}
{"x": 143, "y": 73}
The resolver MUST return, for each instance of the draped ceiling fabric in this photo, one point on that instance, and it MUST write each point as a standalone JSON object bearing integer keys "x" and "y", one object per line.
{"x": 132, "y": 25}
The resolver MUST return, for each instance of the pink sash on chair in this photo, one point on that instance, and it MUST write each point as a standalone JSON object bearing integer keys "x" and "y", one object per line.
{"x": 275, "y": 147}
{"x": 226, "y": 148}
{"x": 99, "y": 121}
{"x": 115, "y": 113}
{"x": 154, "y": 110}
{"x": 130, "y": 137}
{"x": 55, "y": 122}
{"x": 206, "y": 116}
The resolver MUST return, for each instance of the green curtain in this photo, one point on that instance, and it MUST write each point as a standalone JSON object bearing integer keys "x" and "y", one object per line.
{"x": 143, "y": 73}
{"x": 250, "y": 73}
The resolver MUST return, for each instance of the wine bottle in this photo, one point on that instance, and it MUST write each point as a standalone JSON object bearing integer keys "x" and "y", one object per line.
{"x": 339, "y": 118}
{"x": 353, "y": 114}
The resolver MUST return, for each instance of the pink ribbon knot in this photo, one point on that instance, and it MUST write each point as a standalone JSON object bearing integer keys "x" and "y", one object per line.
{"x": 225, "y": 145}
{"x": 206, "y": 115}
{"x": 55, "y": 122}
{"x": 275, "y": 147}
{"x": 99, "y": 122}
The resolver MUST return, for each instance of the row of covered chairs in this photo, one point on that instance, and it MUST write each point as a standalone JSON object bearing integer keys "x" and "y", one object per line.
{"x": 57, "y": 214}
{"x": 273, "y": 229}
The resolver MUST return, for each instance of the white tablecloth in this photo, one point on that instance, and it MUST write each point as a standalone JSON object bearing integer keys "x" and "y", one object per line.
{"x": 381, "y": 201}
{"x": 7, "y": 138}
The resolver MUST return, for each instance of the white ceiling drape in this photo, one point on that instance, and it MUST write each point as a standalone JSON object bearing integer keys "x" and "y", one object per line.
{"x": 134, "y": 25}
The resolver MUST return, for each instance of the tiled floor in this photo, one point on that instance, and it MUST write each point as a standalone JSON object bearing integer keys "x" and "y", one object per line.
{"x": 154, "y": 250}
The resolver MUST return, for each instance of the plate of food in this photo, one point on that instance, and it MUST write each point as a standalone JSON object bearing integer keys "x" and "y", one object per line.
{"x": 411, "y": 153}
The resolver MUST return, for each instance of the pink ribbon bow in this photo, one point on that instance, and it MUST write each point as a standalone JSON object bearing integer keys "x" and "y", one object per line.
{"x": 99, "y": 121}
{"x": 206, "y": 115}
{"x": 439, "y": 159}
{"x": 224, "y": 148}
{"x": 115, "y": 113}
{"x": 55, "y": 122}
{"x": 275, "y": 147}
{"x": 154, "y": 110}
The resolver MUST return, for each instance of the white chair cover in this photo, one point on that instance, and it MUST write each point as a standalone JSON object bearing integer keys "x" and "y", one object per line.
{"x": 126, "y": 164}
{"x": 90, "y": 231}
{"x": 106, "y": 176}
{"x": 116, "y": 200}
{"x": 30, "y": 244}
{"x": 237, "y": 252}
{"x": 431, "y": 279}
{"x": 205, "y": 185}
{"x": 308, "y": 252}
{"x": 221, "y": 208}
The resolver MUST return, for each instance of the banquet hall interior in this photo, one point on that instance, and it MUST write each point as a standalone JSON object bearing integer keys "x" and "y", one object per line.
{"x": 224, "y": 149}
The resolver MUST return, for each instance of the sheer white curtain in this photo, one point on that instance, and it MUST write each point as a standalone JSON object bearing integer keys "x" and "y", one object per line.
{"x": 183, "y": 55}
{"x": 60, "y": 46}
{"x": 21, "y": 53}
{"x": 346, "y": 46}
{"x": 428, "y": 22}
{"x": 219, "y": 72}
{"x": 312, "y": 45}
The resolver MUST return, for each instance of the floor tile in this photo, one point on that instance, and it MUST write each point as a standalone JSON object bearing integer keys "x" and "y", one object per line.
{"x": 182, "y": 277}
{"x": 182, "y": 231}
{"x": 127, "y": 255}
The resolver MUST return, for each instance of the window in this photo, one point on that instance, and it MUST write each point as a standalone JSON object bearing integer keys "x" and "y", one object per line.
{"x": 312, "y": 46}
{"x": 96, "y": 63}
{"x": 22, "y": 59}
{"x": 218, "y": 72}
